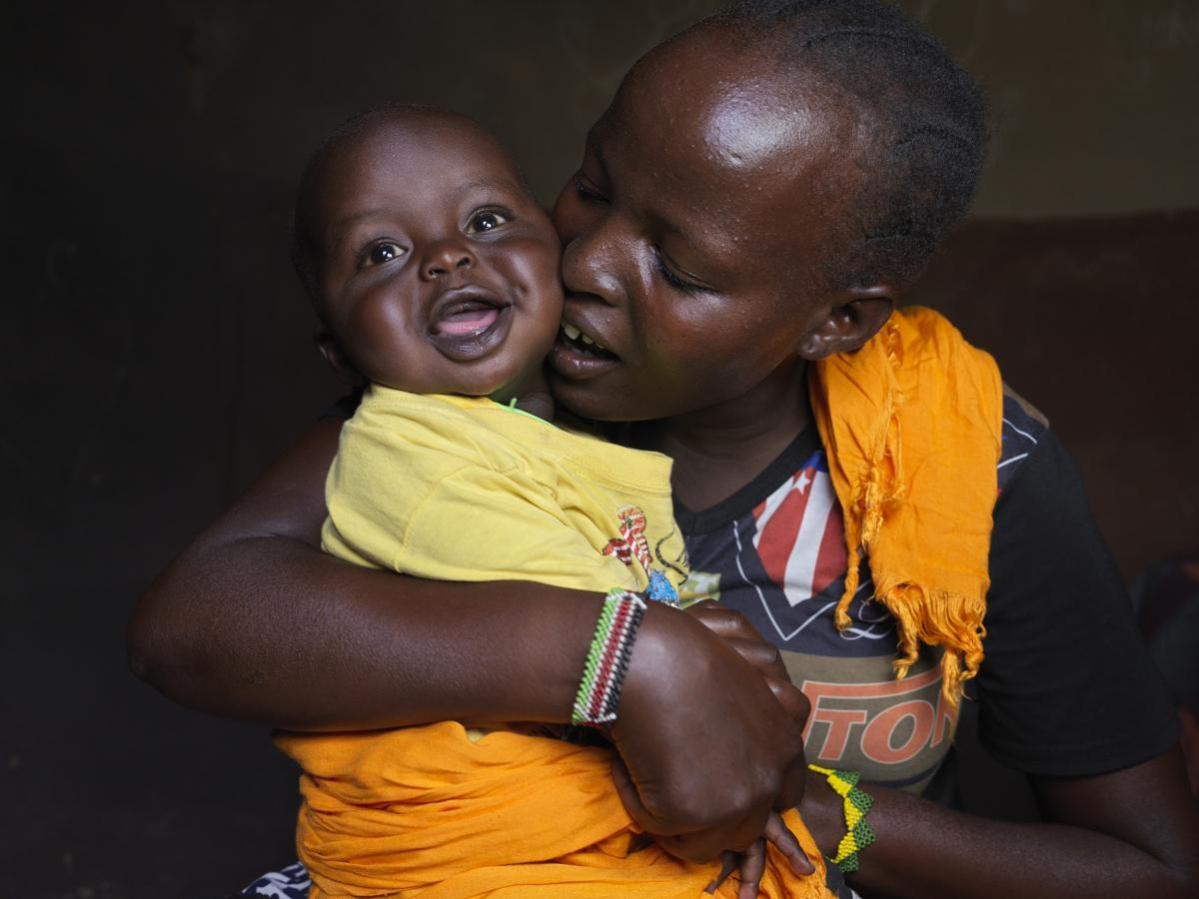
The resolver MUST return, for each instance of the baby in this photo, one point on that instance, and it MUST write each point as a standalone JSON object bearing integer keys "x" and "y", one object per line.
{"x": 435, "y": 274}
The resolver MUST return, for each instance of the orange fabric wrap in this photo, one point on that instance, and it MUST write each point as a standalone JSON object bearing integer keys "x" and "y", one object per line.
{"x": 912, "y": 425}
{"x": 424, "y": 811}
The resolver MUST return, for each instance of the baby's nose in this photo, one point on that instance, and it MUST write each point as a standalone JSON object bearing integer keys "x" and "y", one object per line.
{"x": 444, "y": 258}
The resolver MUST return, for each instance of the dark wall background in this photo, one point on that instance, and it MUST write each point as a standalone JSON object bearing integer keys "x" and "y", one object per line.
{"x": 157, "y": 350}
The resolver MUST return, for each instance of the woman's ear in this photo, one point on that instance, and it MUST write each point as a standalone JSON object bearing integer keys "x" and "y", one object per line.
{"x": 327, "y": 343}
{"x": 854, "y": 316}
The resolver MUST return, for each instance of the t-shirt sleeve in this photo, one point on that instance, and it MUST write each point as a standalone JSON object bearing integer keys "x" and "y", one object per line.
{"x": 453, "y": 515}
{"x": 1067, "y": 687}
{"x": 478, "y": 524}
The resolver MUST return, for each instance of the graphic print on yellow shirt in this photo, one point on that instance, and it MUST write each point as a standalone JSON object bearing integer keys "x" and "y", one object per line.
{"x": 632, "y": 544}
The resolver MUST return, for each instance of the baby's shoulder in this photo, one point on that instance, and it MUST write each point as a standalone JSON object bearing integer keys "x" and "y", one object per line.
{"x": 426, "y": 435}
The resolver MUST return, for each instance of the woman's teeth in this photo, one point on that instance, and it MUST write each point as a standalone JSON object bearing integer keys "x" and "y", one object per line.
{"x": 572, "y": 333}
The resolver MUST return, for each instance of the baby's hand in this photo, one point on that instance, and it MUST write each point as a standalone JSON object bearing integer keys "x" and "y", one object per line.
{"x": 752, "y": 861}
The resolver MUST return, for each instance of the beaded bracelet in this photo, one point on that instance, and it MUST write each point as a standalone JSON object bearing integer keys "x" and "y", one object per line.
{"x": 608, "y": 659}
{"x": 856, "y": 802}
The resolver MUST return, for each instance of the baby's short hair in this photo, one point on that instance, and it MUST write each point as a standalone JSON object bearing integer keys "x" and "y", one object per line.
{"x": 927, "y": 135}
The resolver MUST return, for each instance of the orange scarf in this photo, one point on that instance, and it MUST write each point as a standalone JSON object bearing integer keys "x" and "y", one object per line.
{"x": 911, "y": 424}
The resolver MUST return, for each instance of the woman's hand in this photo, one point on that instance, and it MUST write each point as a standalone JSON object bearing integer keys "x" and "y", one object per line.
{"x": 738, "y": 633}
{"x": 710, "y": 744}
{"x": 752, "y": 862}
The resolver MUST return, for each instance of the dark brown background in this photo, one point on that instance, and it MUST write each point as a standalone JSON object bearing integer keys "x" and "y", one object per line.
{"x": 157, "y": 351}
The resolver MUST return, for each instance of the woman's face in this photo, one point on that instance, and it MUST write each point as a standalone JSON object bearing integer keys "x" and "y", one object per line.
{"x": 695, "y": 233}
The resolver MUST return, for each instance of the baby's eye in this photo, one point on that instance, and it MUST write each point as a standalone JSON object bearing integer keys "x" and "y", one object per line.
{"x": 485, "y": 221}
{"x": 383, "y": 252}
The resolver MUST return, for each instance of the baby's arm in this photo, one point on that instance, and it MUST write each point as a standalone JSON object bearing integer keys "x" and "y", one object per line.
{"x": 422, "y": 499}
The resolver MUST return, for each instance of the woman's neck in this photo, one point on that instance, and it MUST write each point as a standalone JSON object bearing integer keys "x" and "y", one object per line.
{"x": 719, "y": 449}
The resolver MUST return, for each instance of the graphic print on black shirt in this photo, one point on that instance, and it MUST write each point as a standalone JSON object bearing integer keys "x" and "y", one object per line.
{"x": 775, "y": 552}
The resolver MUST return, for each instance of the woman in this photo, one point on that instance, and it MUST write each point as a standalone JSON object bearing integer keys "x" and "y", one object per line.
{"x": 758, "y": 196}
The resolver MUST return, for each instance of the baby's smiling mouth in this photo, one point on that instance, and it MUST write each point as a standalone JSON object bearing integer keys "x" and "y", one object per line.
{"x": 468, "y": 323}
{"x": 465, "y": 312}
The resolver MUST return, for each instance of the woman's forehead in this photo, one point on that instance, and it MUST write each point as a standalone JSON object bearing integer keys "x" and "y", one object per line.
{"x": 709, "y": 101}
{"x": 724, "y": 156}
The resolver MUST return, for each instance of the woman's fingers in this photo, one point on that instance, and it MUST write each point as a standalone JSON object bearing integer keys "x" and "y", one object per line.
{"x": 728, "y": 864}
{"x": 762, "y": 655}
{"x": 740, "y": 635}
{"x": 685, "y": 681}
{"x": 723, "y": 621}
{"x": 753, "y": 863}
{"x": 791, "y": 698}
{"x": 629, "y": 797}
{"x": 785, "y": 842}
{"x": 699, "y": 846}
{"x": 753, "y": 860}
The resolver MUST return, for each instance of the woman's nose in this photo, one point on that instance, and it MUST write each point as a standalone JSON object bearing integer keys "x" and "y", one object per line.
{"x": 591, "y": 264}
{"x": 445, "y": 257}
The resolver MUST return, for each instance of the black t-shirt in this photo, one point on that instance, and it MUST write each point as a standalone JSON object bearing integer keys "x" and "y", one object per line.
{"x": 1066, "y": 688}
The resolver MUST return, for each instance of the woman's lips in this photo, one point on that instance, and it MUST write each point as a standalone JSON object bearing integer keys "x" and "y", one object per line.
{"x": 578, "y": 357}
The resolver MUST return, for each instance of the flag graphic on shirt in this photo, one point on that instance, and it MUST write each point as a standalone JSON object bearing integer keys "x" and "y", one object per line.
{"x": 799, "y": 533}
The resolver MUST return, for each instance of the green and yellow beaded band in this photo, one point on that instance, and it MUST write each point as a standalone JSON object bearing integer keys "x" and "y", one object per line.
{"x": 856, "y": 803}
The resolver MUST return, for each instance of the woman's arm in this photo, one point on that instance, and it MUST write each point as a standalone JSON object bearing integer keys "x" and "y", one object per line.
{"x": 253, "y": 621}
{"x": 1128, "y": 833}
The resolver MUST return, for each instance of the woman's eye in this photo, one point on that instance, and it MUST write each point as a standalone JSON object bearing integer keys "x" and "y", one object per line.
{"x": 384, "y": 252}
{"x": 485, "y": 221}
{"x": 586, "y": 189}
{"x": 671, "y": 278}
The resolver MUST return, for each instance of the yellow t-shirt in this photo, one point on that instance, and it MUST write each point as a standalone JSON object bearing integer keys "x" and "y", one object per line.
{"x": 464, "y": 489}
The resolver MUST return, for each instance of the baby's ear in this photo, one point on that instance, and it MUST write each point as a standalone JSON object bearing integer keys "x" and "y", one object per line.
{"x": 331, "y": 349}
{"x": 854, "y": 316}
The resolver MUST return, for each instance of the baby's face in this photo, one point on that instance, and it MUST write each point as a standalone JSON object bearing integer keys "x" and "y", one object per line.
{"x": 439, "y": 272}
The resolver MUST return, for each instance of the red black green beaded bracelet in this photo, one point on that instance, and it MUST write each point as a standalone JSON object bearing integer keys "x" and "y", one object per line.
{"x": 608, "y": 659}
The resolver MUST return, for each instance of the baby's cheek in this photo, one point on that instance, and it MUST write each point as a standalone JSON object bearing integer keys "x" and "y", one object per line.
{"x": 533, "y": 268}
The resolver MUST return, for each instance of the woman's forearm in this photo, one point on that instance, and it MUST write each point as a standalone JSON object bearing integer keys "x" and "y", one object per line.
{"x": 268, "y": 629}
{"x": 1129, "y": 833}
